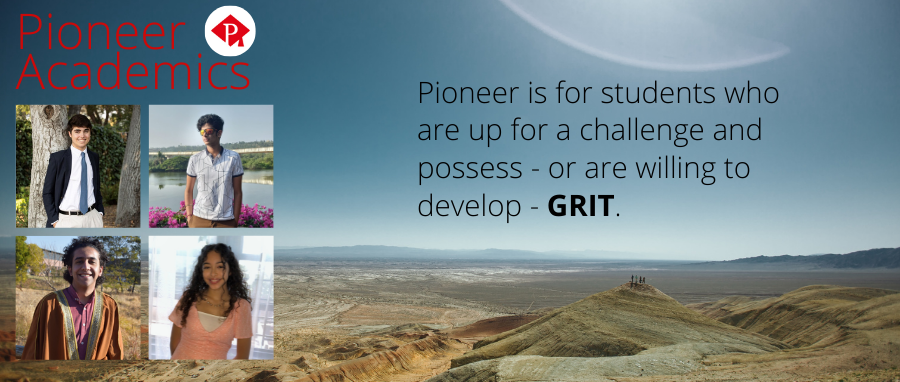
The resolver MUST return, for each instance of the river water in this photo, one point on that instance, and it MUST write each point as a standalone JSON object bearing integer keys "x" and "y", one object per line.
{"x": 167, "y": 188}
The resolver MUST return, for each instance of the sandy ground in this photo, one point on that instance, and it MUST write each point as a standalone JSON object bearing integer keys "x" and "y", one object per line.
{"x": 330, "y": 314}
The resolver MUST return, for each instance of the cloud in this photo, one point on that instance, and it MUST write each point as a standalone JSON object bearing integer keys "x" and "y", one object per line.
{"x": 645, "y": 34}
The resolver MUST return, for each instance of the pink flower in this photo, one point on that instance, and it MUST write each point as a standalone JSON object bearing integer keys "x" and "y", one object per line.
{"x": 256, "y": 216}
{"x": 251, "y": 217}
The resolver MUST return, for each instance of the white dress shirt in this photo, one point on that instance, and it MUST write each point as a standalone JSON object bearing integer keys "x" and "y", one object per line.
{"x": 72, "y": 199}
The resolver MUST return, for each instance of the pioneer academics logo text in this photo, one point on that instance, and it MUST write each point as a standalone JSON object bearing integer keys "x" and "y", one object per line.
{"x": 230, "y": 31}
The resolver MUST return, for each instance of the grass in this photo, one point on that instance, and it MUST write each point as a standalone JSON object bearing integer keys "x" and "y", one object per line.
{"x": 44, "y": 283}
{"x": 129, "y": 318}
{"x": 130, "y": 323}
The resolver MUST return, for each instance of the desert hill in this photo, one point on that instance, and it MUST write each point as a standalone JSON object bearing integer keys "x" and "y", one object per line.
{"x": 666, "y": 361}
{"x": 821, "y": 332}
{"x": 840, "y": 333}
{"x": 384, "y": 365}
{"x": 813, "y": 316}
{"x": 623, "y": 321}
{"x": 477, "y": 331}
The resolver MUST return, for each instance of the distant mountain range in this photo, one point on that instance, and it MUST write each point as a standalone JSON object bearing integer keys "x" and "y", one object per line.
{"x": 381, "y": 251}
{"x": 872, "y": 258}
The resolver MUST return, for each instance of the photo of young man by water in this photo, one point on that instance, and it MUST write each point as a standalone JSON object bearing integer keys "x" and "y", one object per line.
{"x": 211, "y": 166}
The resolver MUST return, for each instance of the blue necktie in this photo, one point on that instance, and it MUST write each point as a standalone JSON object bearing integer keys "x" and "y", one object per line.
{"x": 84, "y": 205}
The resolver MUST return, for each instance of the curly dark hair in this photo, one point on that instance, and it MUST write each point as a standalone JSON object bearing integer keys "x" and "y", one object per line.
{"x": 236, "y": 285}
{"x": 83, "y": 242}
{"x": 79, "y": 120}
{"x": 213, "y": 120}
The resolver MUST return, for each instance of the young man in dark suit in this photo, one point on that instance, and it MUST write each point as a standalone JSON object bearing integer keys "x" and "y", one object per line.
{"x": 72, "y": 186}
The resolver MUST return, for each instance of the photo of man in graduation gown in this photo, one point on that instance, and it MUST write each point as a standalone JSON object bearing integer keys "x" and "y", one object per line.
{"x": 78, "y": 322}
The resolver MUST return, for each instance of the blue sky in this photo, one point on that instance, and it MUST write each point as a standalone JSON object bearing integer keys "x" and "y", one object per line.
{"x": 344, "y": 81}
{"x": 173, "y": 125}
{"x": 54, "y": 243}
{"x": 823, "y": 177}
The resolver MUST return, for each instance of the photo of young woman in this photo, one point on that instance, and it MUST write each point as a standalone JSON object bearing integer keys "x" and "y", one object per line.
{"x": 214, "y": 309}
{"x": 211, "y": 297}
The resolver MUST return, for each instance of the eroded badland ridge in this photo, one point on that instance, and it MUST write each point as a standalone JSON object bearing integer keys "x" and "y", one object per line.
{"x": 632, "y": 332}
{"x": 623, "y": 321}
{"x": 816, "y": 332}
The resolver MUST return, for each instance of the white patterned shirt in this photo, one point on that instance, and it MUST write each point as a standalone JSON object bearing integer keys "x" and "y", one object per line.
{"x": 215, "y": 189}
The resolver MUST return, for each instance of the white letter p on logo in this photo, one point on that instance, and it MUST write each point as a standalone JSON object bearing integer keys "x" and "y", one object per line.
{"x": 227, "y": 30}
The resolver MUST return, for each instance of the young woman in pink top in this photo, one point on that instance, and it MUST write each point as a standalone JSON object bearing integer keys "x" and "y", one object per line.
{"x": 214, "y": 309}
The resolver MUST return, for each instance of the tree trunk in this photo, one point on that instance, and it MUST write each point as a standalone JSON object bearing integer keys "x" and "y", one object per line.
{"x": 73, "y": 109}
{"x": 129, "y": 205}
{"x": 48, "y": 135}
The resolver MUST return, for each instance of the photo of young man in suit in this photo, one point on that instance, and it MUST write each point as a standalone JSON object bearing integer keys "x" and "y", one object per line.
{"x": 72, "y": 186}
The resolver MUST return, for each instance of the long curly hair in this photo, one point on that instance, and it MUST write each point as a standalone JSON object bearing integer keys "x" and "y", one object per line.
{"x": 237, "y": 287}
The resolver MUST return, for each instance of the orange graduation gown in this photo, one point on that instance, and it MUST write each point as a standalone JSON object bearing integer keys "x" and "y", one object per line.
{"x": 52, "y": 334}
